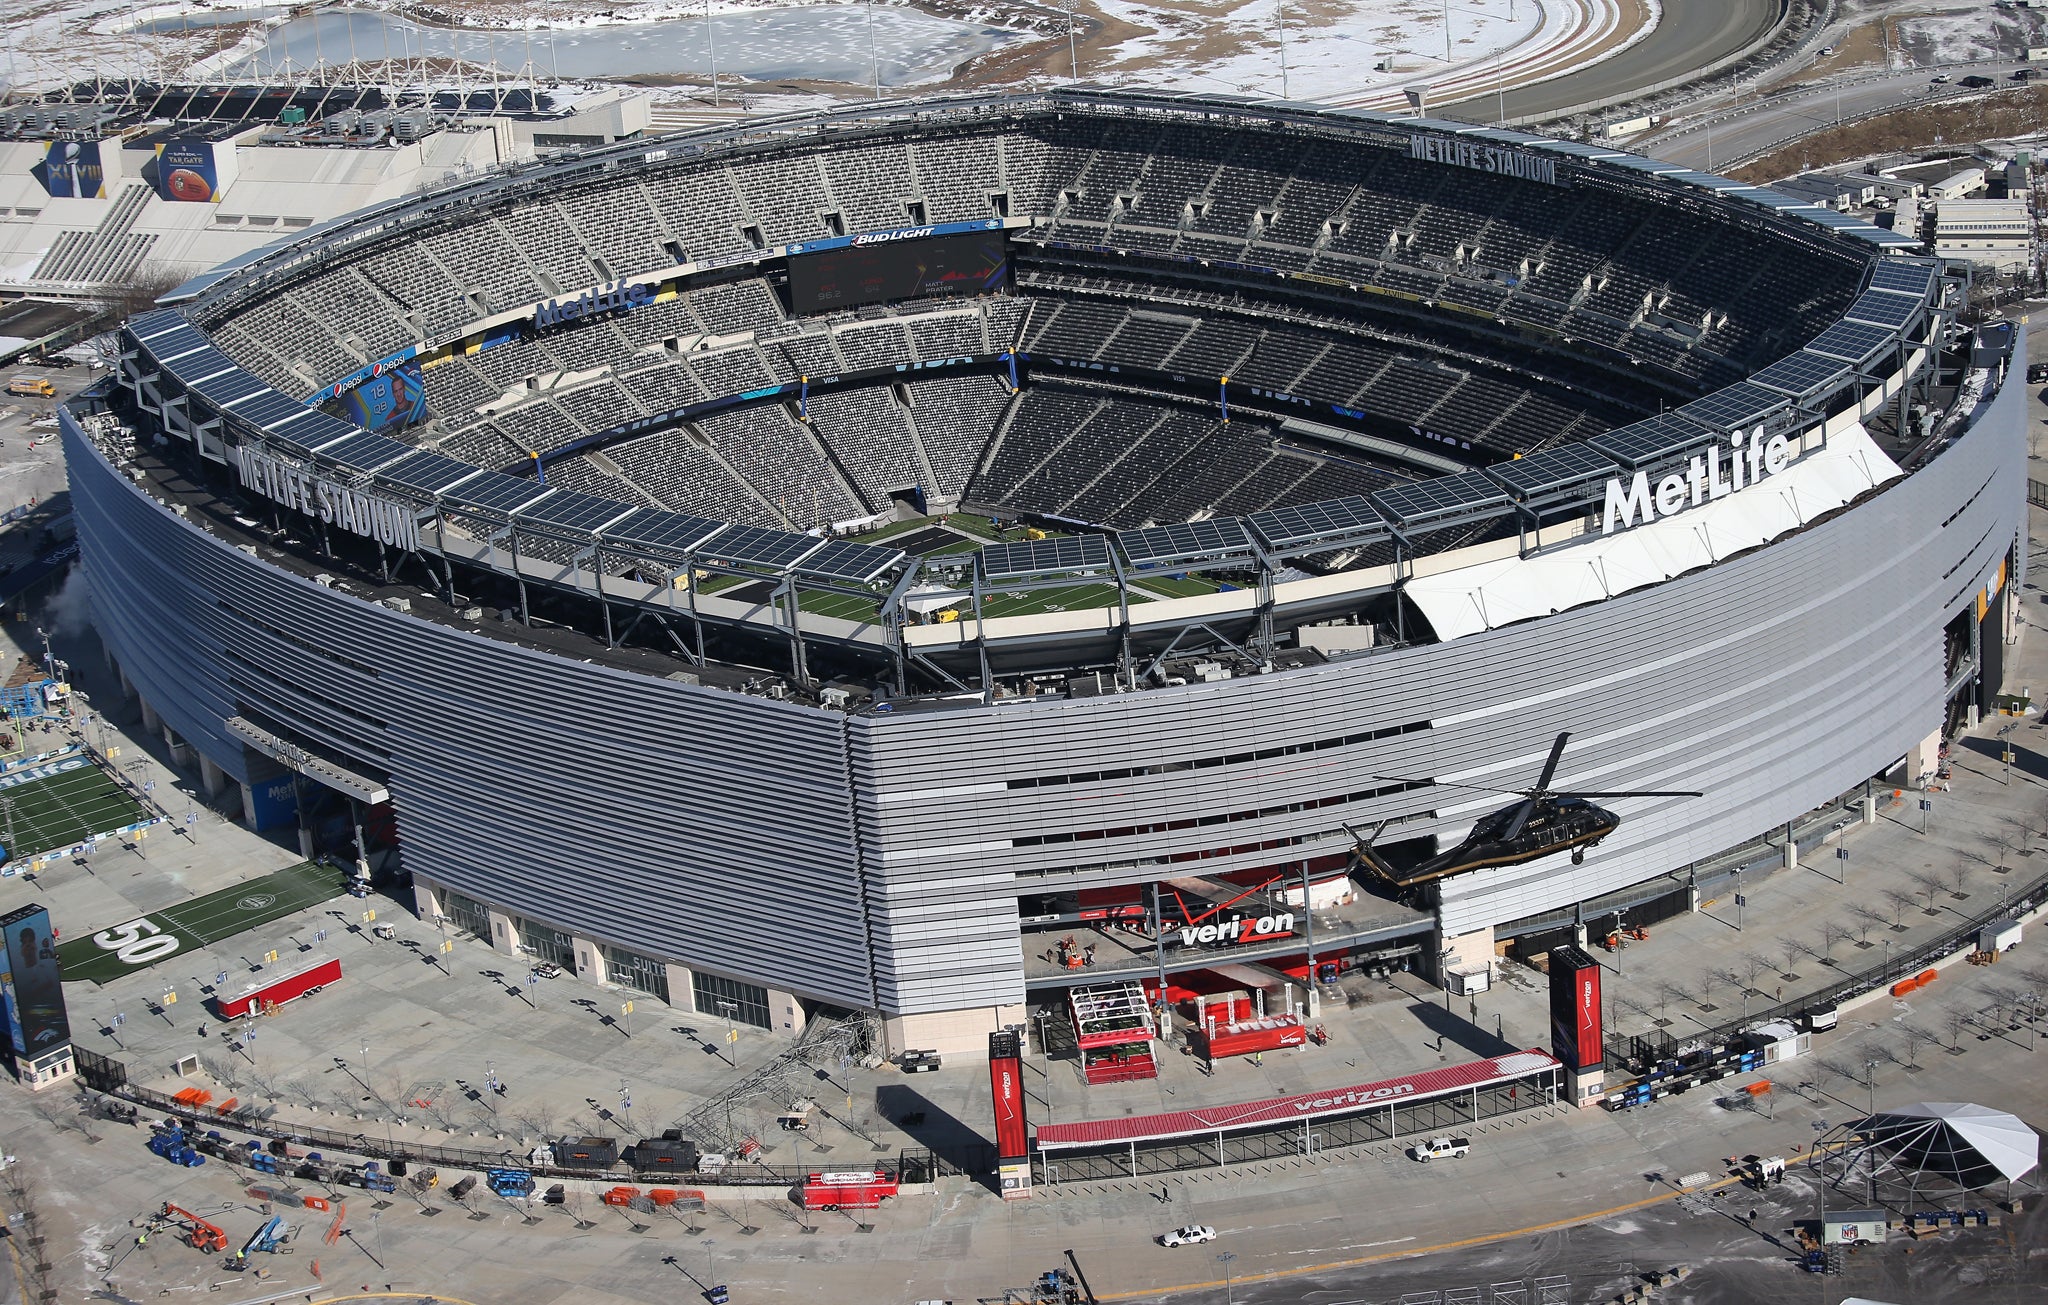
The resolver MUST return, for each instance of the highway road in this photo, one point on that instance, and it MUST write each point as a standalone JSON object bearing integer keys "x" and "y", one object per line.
{"x": 1739, "y": 131}
{"x": 1692, "y": 34}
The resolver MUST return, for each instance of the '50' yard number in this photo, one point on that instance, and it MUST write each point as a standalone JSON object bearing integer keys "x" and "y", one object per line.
{"x": 133, "y": 943}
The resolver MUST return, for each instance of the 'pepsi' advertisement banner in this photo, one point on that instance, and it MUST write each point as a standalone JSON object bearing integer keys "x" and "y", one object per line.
{"x": 394, "y": 398}
{"x": 361, "y": 374}
{"x": 71, "y": 170}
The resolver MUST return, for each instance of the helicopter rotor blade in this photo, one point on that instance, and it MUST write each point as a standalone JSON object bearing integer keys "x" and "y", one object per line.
{"x": 1550, "y": 766}
{"x": 1421, "y": 783}
{"x": 1633, "y": 792}
{"x": 1520, "y": 818}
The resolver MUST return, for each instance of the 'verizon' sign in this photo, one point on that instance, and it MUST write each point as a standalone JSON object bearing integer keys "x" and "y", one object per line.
{"x": 1710, "y": 475}
{"x": 1500, "y": 161}
{"x": 352, "y": 509}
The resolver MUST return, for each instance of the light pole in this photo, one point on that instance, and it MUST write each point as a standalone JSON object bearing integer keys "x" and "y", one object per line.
{"x": 1280, "y": 20}
{"x": 1229, "y": 1278}
{"x": 1073, "y": 57}
{"x": 728, "y": 1008}
{"x": 874, "y": 59}
{"x": 711, "y": 41}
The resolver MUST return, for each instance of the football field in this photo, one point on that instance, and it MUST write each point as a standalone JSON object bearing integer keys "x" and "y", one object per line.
{"x": 139, "y": 943}
{"x": 39, "y": 812}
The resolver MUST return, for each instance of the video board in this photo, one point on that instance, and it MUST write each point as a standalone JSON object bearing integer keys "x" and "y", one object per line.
{"x": 872, "y": 273}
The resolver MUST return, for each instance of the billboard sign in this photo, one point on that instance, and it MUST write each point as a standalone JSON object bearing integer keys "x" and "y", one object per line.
{"x": 71, "y": 170}
{"x": 31, "y": 985}
{"x": 394, "y": 397}
{"x": 191, "y": 171}
{"x": 1013, "y": 1143}
{"x": 274, "y": 802}
{"x": 910, "y": 265}
{"x": 1575, "y": 1030}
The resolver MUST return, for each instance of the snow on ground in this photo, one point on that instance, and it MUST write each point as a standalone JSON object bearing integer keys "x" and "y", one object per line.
{"x": 1967, "y": 37}
{"x": 1331, "y": 48}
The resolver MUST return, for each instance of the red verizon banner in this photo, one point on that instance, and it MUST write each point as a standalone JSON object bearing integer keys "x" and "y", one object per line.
{"x": 1575, "y": 1031}
{"x": 1006, "y": 1081}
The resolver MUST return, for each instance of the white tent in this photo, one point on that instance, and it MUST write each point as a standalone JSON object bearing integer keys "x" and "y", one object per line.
{"x": 1596, "y": 567}
{"x": 1971, "y": 1146}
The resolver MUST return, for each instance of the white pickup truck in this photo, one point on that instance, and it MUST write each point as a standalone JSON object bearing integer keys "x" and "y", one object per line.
{"x": 1438, "y": 1148}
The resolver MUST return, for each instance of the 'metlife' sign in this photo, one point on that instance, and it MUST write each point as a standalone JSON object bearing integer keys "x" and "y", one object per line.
{"x": 1496, "y": 159}
{"x": 335, "y": 504}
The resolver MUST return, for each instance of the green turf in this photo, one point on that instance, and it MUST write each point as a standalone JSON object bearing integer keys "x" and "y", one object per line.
{"x": 1167, "y": 586}
{"x": 844, "y": 607}
{"x": 1031, "y": 602}
{"x": 64, "y": 809}
{"x": 95, "y": 957}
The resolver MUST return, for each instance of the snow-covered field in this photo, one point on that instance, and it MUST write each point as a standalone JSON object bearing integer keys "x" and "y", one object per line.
{"x": 1311, "y": 49}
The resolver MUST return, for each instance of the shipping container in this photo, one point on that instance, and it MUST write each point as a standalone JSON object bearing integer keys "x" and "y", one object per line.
{"x": 262, "y": 998}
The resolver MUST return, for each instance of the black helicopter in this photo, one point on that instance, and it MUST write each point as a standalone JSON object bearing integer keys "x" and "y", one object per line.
{"x": 1541, "y": 823}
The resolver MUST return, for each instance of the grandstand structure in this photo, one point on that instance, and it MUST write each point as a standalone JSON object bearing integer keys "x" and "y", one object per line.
{"x": 1376, "y": 432}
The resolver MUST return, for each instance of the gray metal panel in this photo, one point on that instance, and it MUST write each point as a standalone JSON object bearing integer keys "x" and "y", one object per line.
{"x": 637, "y": 818}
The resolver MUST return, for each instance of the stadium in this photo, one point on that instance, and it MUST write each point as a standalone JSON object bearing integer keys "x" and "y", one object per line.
{"x": 827, "y": 564}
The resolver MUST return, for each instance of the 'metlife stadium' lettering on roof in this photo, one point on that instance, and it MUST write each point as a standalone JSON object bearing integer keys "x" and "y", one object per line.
{"x": 1483, "y": 158}
{"x": 335, "y": 504}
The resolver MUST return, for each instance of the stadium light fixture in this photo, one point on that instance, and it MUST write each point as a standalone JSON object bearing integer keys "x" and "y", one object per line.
{"x": 711, "y": 42}
{"x": 874, "y": 59}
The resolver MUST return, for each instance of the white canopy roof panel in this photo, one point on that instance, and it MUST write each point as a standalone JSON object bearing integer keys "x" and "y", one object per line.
{"x": 1596, "y": 567}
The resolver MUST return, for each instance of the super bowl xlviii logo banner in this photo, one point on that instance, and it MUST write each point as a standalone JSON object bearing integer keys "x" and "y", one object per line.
{"x": 356, "y": 511}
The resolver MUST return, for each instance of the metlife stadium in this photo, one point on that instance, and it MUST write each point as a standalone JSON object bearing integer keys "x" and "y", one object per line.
{"x": 1346, "y": 461}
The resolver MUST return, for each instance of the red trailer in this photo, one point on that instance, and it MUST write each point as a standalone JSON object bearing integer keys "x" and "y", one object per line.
{"x": 861, "y": 1189}
{"x": 1247, "y": 1036}
{"x": 266, "y": 996}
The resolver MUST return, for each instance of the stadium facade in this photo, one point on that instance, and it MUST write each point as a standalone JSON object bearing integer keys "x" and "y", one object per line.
{"x": 1523, "y": 437}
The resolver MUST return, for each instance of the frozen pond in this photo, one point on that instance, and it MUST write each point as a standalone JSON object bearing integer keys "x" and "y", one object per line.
{"x": 821, "y": 42}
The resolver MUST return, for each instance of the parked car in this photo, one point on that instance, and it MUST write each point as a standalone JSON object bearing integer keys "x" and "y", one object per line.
{"x": 1192, "y": 1235}
{"x": 1941, "y": 77}
{"x": 1438, "y": 1148}
{"x": 548, "y": 970}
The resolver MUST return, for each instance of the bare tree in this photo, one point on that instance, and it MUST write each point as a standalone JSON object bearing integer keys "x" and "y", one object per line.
{"x": 1753, "y": 963}
{"x": 1899, "y": 899}
{"x": 1866, "y": 915}
{"x": 1929, "y": 883}
{"x": 1953, "y": 1023}
{"x": 140, "y": 291}
{"x": 2002, "y": 841}
{"x": 538, "y": 1120}
{"x": 1789, "y": 951}
{"x": 1911, "y": 1038}
{"x": 1665, "y": 992}
{"x": 1958, "y": 871}
{"x": 1831, "y": 932}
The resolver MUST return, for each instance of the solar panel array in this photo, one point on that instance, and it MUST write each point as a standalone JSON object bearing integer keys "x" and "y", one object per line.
{"x": 1881, "y": 309}
{"x": 1853, "y": 342}
{"x": 1045, "y": 557}
{"x": 752, "y": 546}
{"x": 667, "y": 534}
{"x": 573, "y": 511}
{"x": 496, "y": 492}
{"x": 1738, "y": 405}
{"x": 1903, "y": 277}
{"x": 428, "y": 472}
{"x": 1440, "y": 497}
{"x": 1801, "y": 374}
{"x": 1187, "y": 542}
{"x": 1553, "y": 471}
{"x": 1313, "y": 523}
{"x": 842, "y": 559}
{"x": 1653, "y": 439}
